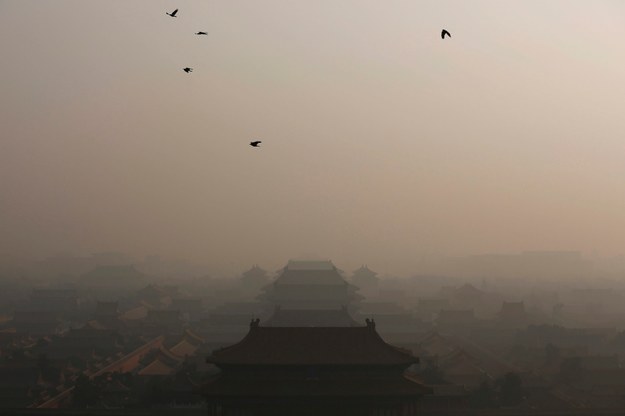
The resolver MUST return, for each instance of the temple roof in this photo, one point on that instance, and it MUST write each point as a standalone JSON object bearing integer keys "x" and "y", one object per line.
{"x": 364, "y": 269}
{"x": 239, "y": 308}
{"x": 310, "y": 273}
{"x": 468, "y": 290}
{"x": 310, "y": 265}
{"x": 365, "y": 274}
{"x": 140, "y": 312}
{"x": 157, "y": 368}
{"x": 184, "y": 348}
{"x": 312, "y": 346}
{"x": 381, "y": 308}
{"x": 188, "y": 345}
{"x": 311, "y": 318}
{"x": 255, "y": 271}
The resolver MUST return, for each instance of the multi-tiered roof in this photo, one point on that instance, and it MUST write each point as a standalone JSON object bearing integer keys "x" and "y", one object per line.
{"x": 310, "y": 285}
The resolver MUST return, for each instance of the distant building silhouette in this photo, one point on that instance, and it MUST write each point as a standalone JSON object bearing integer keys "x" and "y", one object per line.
{"x": 254, "y": 278}
{"x": 367, "y": 280}
{"x": 310, "y": 285}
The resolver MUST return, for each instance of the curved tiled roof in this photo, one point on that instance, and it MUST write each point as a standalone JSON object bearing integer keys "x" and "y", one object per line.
{"x": 311, "y": 318}
{"x": 310, "y": 277}
{"x": 183, "y": 349}
{"x": 157, "y": 368}
{"x": 312, "y": 346}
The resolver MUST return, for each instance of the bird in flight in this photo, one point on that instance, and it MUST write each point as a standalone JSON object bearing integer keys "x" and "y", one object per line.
{"x": 172, "y": 14}
{"x": 443, "y": 33}
{"x": 187, "y": 69}
{"x": 255, "y": 143}
{"x": 201, "y": 33}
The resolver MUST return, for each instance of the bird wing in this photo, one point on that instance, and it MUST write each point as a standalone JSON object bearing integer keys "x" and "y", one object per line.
{"x": 444, "y": 32}
{"x": 174, "y": 12}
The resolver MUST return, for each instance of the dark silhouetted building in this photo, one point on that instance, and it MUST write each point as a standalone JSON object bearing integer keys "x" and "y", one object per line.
{"x": 311, "y": 317}
{"x": 313, "y": 371}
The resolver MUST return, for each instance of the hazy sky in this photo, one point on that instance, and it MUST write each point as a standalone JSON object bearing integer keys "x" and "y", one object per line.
{"x": 381, "y": 142}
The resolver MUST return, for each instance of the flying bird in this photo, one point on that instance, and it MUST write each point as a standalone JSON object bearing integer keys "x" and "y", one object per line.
{"x": 187, "y": 70}
{"x": 172, "y": 14}
{"x": 256, "y": 143}
{"x": 443, "y": 33}
{"x": 201, "y": 33}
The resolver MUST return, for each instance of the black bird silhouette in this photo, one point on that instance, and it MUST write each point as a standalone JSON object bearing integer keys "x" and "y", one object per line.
{"x": 172, "y": 14}
{"x": 187, "y": 70}
{"x": 256, "y": 143}
{"x": 443, "y": 33}
{"x": 201, "y": 33}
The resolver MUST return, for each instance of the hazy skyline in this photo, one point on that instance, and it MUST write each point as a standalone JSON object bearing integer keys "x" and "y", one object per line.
{"x": 381, "y": 142}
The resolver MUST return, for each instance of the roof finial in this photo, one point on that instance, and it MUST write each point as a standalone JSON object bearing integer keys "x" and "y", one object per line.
{"x": 370, "y": 323}
{"x": 255, "y": 323}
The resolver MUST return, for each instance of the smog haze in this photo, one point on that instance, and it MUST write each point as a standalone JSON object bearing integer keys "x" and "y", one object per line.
{"x": 381, "y": 142}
